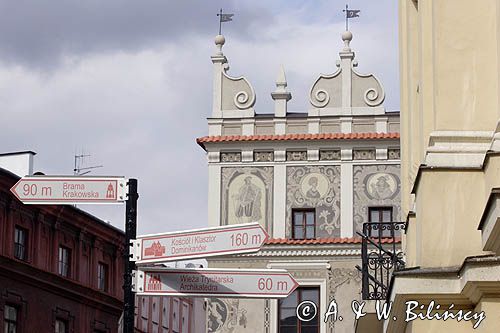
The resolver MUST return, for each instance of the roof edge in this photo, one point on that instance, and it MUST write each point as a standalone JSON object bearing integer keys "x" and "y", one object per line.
{"x": 297, "y": 137}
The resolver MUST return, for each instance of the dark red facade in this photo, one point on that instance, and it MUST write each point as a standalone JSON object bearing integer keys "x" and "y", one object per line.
{"x": 163, "y": 314}
{"x": 88, "y": 299}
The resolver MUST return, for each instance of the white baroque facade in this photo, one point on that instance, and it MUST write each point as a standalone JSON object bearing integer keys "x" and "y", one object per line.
{"x": 310, "y": 179}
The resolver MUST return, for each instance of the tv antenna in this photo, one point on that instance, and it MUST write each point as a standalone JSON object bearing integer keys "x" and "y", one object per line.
{"x": 79, "y": 169}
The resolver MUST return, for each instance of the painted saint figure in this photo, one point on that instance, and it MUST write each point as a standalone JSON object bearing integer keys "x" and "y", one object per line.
{"x": 216, "y": 314}
{"x": 313, "y": 192}
{"x": 381, "y": 189}
{"x": 248, "y": 202}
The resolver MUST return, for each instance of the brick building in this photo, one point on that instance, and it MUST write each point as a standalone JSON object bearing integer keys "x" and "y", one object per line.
{"x": 162, "y": 314}
{"x": 60, "y": 268}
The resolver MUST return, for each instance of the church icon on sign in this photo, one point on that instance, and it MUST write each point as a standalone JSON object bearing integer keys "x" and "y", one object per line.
{"x": 110, "y": 193}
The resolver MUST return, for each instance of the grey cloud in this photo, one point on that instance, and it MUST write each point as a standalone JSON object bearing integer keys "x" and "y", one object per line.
{"x": 139, "y": 90}
{"x": 40, "y": 33}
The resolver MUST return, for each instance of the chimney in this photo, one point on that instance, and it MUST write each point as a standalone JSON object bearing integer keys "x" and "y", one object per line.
{"x": 19, "y": 163}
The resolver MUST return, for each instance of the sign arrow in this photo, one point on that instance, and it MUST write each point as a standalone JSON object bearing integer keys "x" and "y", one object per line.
{"x": 251, "y": 283}
{"x": 182, "y": 245}
{"x": 48, "y": 190}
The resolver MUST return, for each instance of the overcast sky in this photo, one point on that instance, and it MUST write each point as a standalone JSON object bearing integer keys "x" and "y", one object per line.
{"x": 129, "y": 82}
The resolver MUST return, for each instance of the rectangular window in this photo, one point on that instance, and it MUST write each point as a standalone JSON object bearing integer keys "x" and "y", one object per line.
{"x": 10, "y": 319}
{"x": 165, "y": 314}
{"x": 379, "y": 215}
{"x": 186, "y": 317}
{"x": 61, "y": 326}
{"x": 304, "y": 224}
{"x": 64, "y": 261}
{"x": 20, "y": 243}
{"x": 176, "y": 309}
{"x": 288, "y": 321}
{"x": 102, "y": 276}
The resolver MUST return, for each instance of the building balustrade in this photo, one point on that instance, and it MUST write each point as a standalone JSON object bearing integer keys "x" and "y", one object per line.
{"x": 381, "y": 255}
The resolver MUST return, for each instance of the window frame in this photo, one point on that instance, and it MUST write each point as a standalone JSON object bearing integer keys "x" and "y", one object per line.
{"x": 299, "y": 300}
{"x": 24, "y": 245}
{"x": 380, "y": 210}
{"x": 105, "y": 280}
{"x": 304, "y": 225}
{"x": 7, "y": 321}
{"x": 64, "y": 322}
{"x": 60, "y": 261}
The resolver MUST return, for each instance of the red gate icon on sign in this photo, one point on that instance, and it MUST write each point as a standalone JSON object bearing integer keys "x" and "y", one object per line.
{"x": 156, "y": 250}
{"x": 154, "y": 283}
{"x": 110, "y": 193}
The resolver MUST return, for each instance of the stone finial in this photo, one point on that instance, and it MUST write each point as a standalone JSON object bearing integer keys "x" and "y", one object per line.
{"x": 219, "y": 42}
{"x": 280, "y": 95}
{"x": 347, "y": 37}
{"x": 220, "y": 64}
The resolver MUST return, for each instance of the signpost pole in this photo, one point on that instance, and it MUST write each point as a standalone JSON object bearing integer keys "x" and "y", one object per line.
{"x": 130, "y": 234}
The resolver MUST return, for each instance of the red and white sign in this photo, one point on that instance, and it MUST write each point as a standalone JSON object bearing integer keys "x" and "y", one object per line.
{"x": 234, "y": 239}
{"x": 50, "y": 190}
{"x": 252, "y": 283}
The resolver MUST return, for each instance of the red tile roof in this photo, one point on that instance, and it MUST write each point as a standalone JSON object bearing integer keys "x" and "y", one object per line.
{"x": 353, "y": 240}
{"x": 284, "y": 137}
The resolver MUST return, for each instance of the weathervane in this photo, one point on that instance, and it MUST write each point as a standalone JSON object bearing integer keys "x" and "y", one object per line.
{"x": 223, "y": 18}
{"x": 350, "y": 13}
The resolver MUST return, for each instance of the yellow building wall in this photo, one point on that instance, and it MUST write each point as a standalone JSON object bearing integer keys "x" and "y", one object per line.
{"x": 450, "y": 81}
{"x": 491, "y": 307}
{"x": 492, "y": 173}
{"x": 450, "y": 56}
{"x": 465, "y": 63}
{"x": 410, "y": 126}
{"x": 449, "y": 206}
{"x": 439, "y": 326}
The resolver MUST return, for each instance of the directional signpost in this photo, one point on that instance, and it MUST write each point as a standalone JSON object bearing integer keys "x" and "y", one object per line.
{"x": 52, "y": 190}
{"x": 201, "y": 243}
{"x": 254, "y": 283}
{"x": 182, "y": 245}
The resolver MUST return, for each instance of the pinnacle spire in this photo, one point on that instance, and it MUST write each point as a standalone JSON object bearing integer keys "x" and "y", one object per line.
{"x": 280, "y": 95}
{"x": 281, "y": 80}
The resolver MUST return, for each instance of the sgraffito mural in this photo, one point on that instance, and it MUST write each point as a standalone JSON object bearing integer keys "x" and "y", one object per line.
{"x": 375, "y": 186}
{"x": 247, "y": 196}
{"x": 230, "y": 315}
{"x": 344, "y": 284}
{"x": 315, "y": 187}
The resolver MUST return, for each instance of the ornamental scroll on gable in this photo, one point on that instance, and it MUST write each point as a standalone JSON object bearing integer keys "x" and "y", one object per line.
{"x": 346, "y": 92}
{"x": 237, "y": 94}
{"x": 233, "y": 97}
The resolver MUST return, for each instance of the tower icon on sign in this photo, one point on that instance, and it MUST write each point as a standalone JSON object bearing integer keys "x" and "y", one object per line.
{"x": 156, "y": 250}
{"x": 154, "y": 283}
{"x": 110, "y": 193}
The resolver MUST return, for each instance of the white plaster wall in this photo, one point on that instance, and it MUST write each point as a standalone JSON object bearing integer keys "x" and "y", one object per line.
{"x": 346, "y": 200}
{"x": 214, "y": 195}
{"x": 19, "y": 164}
{"x": 279, "y": 201}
